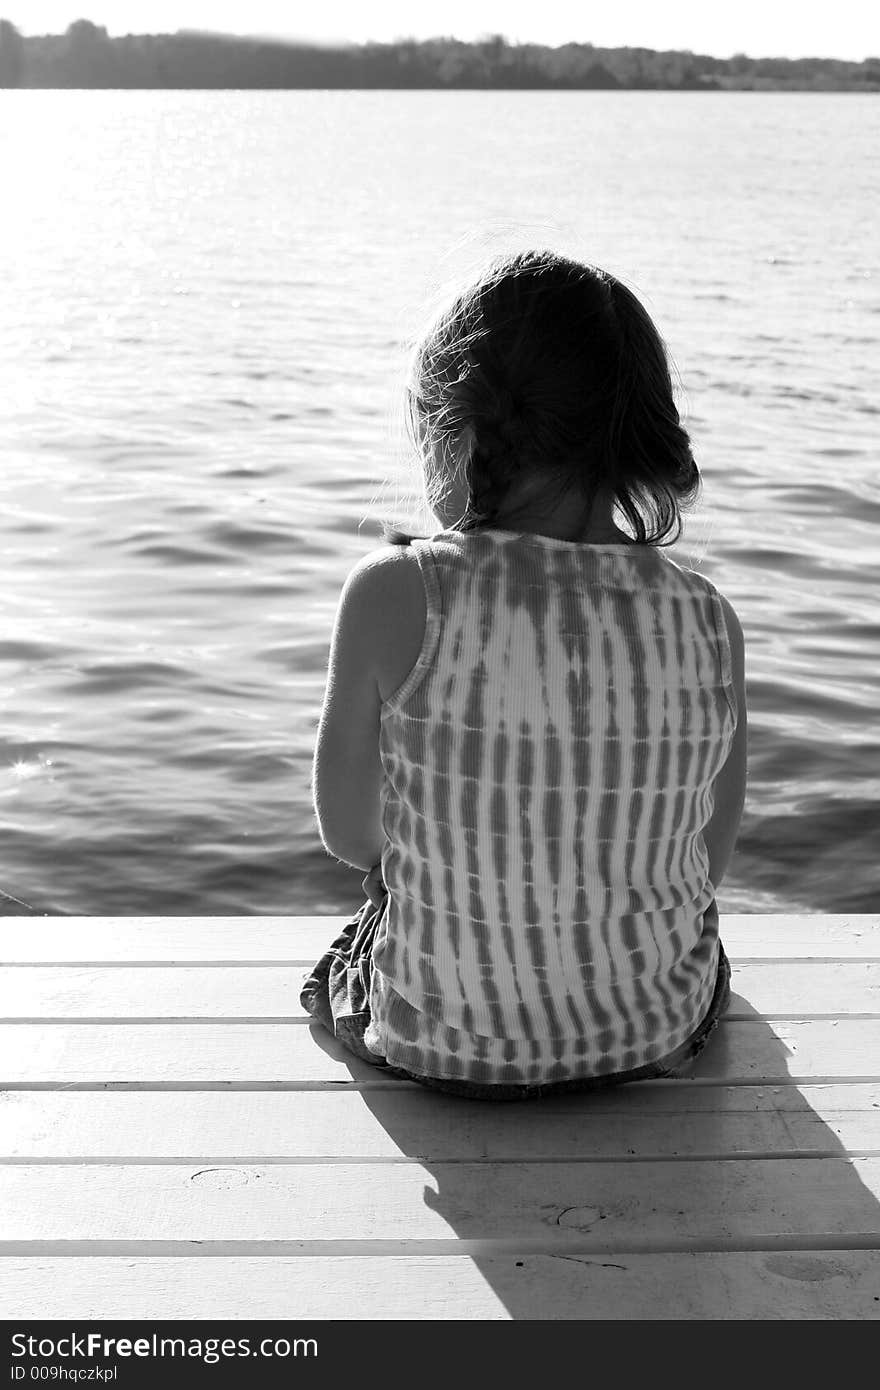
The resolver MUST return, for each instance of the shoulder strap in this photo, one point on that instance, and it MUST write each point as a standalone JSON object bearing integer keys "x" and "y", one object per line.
{"x": 421, "y": 549}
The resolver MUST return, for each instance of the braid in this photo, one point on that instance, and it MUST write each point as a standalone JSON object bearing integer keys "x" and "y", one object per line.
{"x": 494, "y": 413}
{"x": 486, "y": 488}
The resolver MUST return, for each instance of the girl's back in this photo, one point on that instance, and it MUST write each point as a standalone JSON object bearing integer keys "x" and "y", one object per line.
{"x": 548, "y": 769}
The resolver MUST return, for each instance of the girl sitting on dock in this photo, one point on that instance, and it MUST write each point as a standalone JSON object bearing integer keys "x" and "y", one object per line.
{"x": 534, "y": 729}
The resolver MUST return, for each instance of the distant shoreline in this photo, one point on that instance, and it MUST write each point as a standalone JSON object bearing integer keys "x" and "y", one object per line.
{"x": 526, "y": 91}
{"x": 86, "y": 57}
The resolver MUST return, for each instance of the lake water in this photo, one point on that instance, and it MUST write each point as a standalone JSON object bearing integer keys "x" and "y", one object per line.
{"x": 205, "y": 298}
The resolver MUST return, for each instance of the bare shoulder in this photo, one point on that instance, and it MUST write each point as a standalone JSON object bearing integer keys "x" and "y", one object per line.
{"x": 387, "y": 575}
{"x": 384, "y": 597}
{"x": 386, "y": 560}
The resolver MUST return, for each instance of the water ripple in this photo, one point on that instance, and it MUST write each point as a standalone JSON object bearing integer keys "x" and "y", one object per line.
{"x": 197, "y": 413}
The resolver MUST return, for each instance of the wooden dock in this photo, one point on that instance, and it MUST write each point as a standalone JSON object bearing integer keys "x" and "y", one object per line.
{"x": 177, "y": 1140}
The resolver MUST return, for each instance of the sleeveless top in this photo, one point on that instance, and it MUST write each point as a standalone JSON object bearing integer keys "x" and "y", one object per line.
{"x": 548, "y": 768}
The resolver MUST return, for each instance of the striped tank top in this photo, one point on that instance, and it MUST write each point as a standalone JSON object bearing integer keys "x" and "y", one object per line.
{"x": 548, "y": 768}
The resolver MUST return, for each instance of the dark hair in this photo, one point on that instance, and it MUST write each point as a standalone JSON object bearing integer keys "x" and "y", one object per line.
{"x": 551, "y": 369}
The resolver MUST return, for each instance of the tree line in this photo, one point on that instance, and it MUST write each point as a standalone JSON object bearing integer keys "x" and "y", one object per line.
{"x": 86, "y": 56}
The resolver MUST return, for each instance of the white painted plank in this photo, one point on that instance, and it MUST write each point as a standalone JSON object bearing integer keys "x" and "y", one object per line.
{"x": 300, "y": 940}
{"x": 392, "y": 1125}
{"x": 625, "y": 1208}
{"x": 295, "y": 1053}
{"x": 160, "y": 992}
{"x": 820, "y": 936}
{"x": 292, "y": 940}
{"x": 272, "y": 992}
{"x": 831, "y": 1284}
{"x": 806, "y": 988}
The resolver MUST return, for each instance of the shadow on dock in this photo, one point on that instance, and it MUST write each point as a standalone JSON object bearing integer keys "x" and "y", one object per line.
{"x": 730, "y": 1176}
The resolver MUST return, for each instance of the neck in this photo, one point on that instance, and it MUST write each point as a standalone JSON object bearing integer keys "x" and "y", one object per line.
{"x": 564, "y": 522}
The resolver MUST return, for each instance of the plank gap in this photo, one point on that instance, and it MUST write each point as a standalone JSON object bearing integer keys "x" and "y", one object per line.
{"x": 306, "y": 962}
{"x": 402, "y": 1160}
{"x": 351, "y": 1084}
{"x": 300, "y": 1020}
{"x": 122, "y": 1021}
{"x": 562, "y": 1248}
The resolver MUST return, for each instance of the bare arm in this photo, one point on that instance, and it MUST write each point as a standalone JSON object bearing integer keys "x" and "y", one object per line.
{"x": 376, "y": 639}
{"x": 730, "y": 784}
{"x": 347, "y": 771}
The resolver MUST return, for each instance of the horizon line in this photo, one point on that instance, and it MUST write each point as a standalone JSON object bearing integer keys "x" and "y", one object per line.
{"x": 341, "y": 43}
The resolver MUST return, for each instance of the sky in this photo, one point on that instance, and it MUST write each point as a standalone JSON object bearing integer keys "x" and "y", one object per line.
{"x": 762, "y": 28}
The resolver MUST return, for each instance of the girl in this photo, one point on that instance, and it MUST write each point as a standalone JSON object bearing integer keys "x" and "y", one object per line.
{"x": 534, "y": 729}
